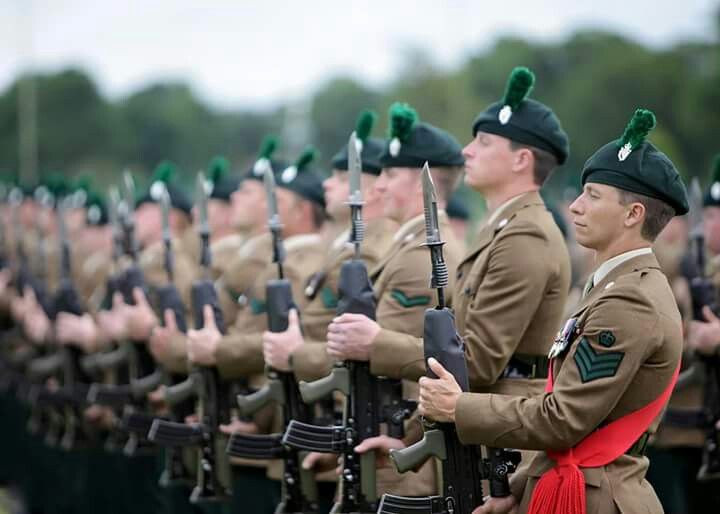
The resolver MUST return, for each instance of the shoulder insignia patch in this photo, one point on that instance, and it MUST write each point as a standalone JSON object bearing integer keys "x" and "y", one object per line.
{"x": 257, "y": 306}
{"x": 606, "y": 338}
{"x": 593, "y": 365}
{"x": 409, "y": 301}
{"x": 329, "y": 299}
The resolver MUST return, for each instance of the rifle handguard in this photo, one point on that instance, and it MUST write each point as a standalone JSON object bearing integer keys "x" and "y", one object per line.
{"x": 114, "y": 359}
{"x": 43, "y": 367}
{"x": 272, "y": 392}
{"x": 391, "y": 504}
{"x": 181, "y": 391}
{"x": 142, "y": 386}
{"x": 256, "y": 447}
{"x": 170, "y": 433}
{"x": 337, "y": 380}
{"x": 431, "y": 445}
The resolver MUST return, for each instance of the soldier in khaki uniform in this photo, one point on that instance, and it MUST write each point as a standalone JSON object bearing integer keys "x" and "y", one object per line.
{"x": 512, "y": 285}
{"x": 303, "y": 351}
{"x": 400, "y": 278}
{"x": 238, "y": 354}
{"x": 614, "y": 363}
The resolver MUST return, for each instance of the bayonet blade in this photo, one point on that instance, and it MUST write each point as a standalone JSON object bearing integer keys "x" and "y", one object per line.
{"x": 129, "y": 190}
{"x": 354, "y": 170}
{"x": 201, "y": 197}
{"x": 432, "y": 229}
{"x": 165, "y": 207}
{"x": 272, "y": 207}
{"x": 696, "y": 205}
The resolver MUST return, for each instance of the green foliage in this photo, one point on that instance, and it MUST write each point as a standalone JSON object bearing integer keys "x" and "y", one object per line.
{"x": 637, "y": 129}
{"x": 402, "y": 120}
{"x": 364, "y": 124}
{"x": 519, "y": 85}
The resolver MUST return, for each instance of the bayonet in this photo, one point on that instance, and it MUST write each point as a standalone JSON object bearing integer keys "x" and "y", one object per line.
{"x": 274, "y": 223}
{"x": 357, "y": 227}
{"x": 439, "y": 276}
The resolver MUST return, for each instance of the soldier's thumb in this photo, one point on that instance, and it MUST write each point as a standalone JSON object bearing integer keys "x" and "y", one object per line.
{"x": 437, "y": 368}
{"x": 293, "y": 320}
{"x": 139, "y": 297}
{"x": 209, "y": 316}
{"x": 170, "y": 319}
{"x": 710, "y": 315}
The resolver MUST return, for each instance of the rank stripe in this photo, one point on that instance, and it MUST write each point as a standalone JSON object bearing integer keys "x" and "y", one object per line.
{"x": 409, "y": 301}
{"x": 592, "y": 365}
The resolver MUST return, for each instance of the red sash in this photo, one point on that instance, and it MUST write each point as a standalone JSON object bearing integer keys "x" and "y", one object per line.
{"x": 561, "y": 490}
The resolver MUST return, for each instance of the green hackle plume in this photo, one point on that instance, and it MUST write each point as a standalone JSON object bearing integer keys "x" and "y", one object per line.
{"x": 519, "y": 85}
{"x": 640, "y": 125}
{"x": 715, "y": 170}
{"x": 364, "y": 125}
{"x": 268, "y": 147}
{"x": 402, "y": 120}
{"x": 218, "y": 169}
{"x": 164, "y": 172}
{"x": 306, "y": 157}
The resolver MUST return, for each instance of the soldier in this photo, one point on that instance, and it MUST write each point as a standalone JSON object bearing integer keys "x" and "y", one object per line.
{"x": 391, "y": 343}
{"x": 238, "y": 355}
{"x": 303, "y": 351}
{"x": 614, "y": 364}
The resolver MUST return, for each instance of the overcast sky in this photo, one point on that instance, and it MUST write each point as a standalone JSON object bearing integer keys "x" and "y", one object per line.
{"x": 243, "y": 53}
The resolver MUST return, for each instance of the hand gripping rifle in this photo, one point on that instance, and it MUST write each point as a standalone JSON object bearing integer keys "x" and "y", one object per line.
{"x": 74, "y": 388}
{"x": 370, "y": 401}
{"x": 704, "y": 293}
{"x": 203, "y": 383}
{"x": 299, "y": 491}
{"x": 168, "y": 297}
{"x": 462, "y": 466}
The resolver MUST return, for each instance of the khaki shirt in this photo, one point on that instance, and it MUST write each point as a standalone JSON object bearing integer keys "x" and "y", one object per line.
{"x": 510, "y": 293}
{"x": 311, "y": 361}
{"x": 239, "y": 353}
{"x": 626, "y": 347}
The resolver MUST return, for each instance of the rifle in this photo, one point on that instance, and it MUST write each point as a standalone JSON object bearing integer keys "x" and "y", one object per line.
{"x": 704, "y": 293}
{"x": 462, "y": 466}
{"x": 203, "y": 383}
{"x": 299, "y": 491}
{"x": 75, "y": 386}
{"x": 370, "y": 401}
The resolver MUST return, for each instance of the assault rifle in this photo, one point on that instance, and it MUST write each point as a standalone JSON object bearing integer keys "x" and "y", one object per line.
{"x": 299, "y": 491}
{"x": 462, "y": 466}
{"x": 704, "y": 293}
{"x": 370, "y": 401}
{"x": 203, "y": 383}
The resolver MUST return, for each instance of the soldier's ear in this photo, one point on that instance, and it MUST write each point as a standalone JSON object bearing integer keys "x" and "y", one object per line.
{"x": 635, "y": 215}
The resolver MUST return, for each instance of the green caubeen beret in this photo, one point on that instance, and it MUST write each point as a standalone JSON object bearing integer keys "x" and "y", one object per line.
{"x": 524, "y": 120}
{"x": 371, "y": 148}
{"x": 301, "y": 179}
{"x": 712, "y": 195}
{"x": 633, "y": 164}
{"x": 412, "y": 143}
{"x": 223, "y": 184}
{"x": 165, "y": 173}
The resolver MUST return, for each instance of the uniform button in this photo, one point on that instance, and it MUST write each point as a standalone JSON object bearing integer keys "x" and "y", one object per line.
{"x": 467, "y": 291}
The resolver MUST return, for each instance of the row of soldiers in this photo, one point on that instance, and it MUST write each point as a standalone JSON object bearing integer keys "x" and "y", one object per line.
{"x": 291, "y": 343}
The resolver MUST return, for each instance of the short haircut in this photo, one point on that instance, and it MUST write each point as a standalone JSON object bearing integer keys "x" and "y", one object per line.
{"x": 657, "y": 213}
{"x": 545, "y": 162}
